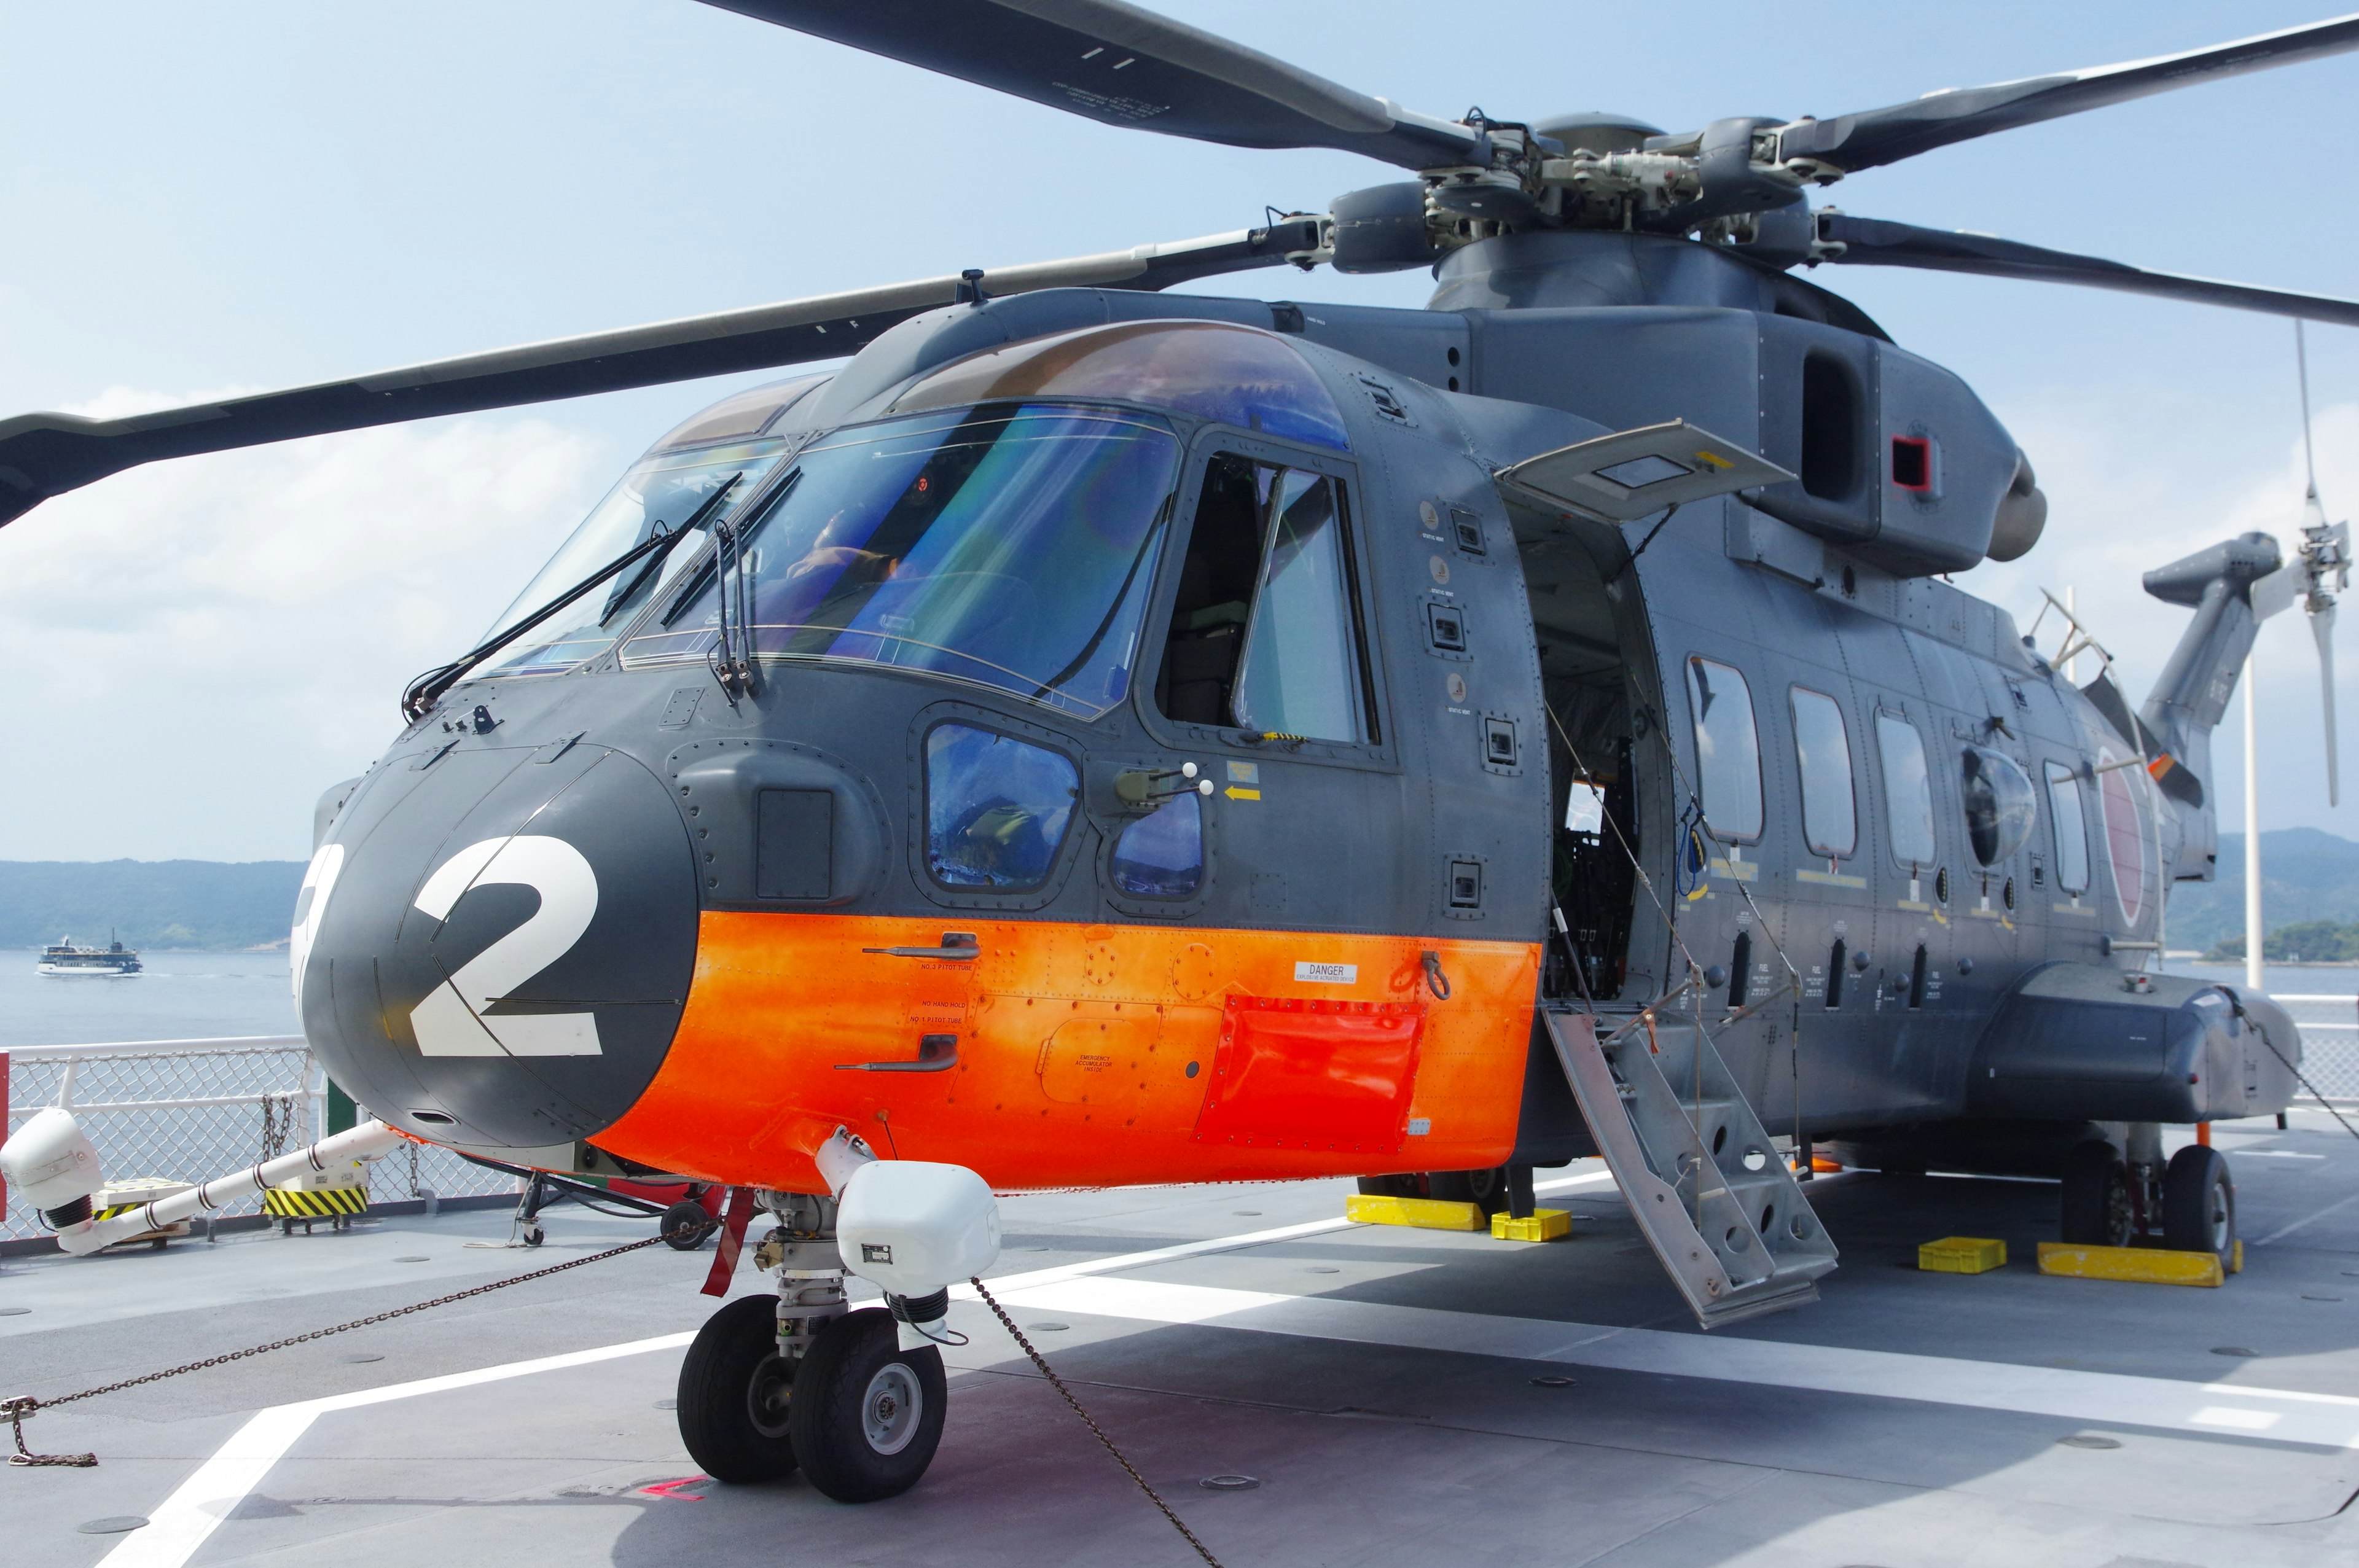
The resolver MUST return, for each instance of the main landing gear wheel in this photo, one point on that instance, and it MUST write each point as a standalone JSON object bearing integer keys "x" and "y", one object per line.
{"x": 2198, "y": 1204}
{"x": 2096, "y": 1199}
{"x": 1487, "y": 1190}
{"x": 867, "y": 1415}
{"x": 685, "y": 1225}
{"x": 733, "y": 1389}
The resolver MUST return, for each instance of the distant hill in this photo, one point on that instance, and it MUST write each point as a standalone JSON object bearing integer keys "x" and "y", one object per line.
{"x": 148, "y": 903}
{"x": 2307, "y": 941}
{"x": 2306, "y": 875}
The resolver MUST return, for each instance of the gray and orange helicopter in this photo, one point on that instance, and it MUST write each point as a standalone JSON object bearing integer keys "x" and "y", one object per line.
{"x": 1096, "y": 735}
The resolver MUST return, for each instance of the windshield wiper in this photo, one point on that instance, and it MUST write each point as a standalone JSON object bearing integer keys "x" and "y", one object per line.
{"x": 420, "y": 695}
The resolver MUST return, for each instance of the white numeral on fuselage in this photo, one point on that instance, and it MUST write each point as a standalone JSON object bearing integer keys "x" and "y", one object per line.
{"x": 450, "y": 1022}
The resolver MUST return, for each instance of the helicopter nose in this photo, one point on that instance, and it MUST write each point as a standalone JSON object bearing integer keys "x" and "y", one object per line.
{"x": 494, "y": 944}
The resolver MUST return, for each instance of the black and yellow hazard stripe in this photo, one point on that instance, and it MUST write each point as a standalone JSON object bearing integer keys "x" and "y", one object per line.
{"x": 326, "y": 1202}
{"x": 119, "y": 1209}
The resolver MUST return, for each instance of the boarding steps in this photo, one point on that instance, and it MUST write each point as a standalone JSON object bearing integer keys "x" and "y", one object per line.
{"x": 1710, "y": 1192}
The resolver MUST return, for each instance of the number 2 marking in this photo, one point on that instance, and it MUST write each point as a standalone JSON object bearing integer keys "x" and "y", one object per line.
{"x": 450, "y": 1022}
{"x": 311, "y": 908}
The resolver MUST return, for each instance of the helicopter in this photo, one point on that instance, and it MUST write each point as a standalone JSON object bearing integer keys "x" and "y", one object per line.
{"x": 1095, "y": 735}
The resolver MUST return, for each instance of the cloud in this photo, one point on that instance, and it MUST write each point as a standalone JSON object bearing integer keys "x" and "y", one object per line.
{"x": 194, "y": 649}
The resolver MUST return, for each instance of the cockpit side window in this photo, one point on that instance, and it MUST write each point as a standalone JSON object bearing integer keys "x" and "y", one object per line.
{"x": 1265, "y": 632}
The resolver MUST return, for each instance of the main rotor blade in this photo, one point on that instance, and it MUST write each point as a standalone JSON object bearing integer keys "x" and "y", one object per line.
{"x": 1119, "y": 65}
{"x": 1873, "y": 242}
{"x": 1855, "y": 142}
{"x": 43, "y": 455}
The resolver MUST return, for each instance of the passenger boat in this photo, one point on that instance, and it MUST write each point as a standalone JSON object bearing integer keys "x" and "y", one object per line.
{"x": 109, "y": 962}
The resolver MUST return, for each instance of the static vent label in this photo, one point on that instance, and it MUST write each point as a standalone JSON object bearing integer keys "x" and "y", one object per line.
{"x": 1326, "y": 974}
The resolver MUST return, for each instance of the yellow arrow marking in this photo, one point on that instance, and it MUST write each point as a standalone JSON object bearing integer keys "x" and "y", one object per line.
{"x": 1233, "y": 793}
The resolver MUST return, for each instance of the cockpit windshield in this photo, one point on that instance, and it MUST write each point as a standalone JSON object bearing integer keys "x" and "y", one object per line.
{"x": 666, "y": 487}
{"x": 1011, "y": 545}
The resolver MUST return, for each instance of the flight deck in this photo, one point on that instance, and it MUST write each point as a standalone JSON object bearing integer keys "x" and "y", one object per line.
{"x": 1303, "y": 1391}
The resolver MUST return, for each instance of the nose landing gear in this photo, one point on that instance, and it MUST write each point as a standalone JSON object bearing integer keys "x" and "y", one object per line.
{"x": 774, "y": 1384}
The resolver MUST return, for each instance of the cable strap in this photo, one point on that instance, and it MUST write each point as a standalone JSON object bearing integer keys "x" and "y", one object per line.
{"x": 22, "y": 1405}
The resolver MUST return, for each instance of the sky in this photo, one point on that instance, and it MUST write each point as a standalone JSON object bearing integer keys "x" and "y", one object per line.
{"x": 210, "y": 198}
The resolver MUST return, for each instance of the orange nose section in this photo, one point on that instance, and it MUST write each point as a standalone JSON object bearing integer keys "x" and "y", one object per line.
{"x": 1065, "y": 1054}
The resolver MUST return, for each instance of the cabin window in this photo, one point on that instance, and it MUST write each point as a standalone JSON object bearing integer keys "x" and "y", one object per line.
{"x": 1728, "y": 749}
{"x": 1908, "y": 790}
{"x": 996, "y": 808}
{"x": 2072, "y": 828}
{"x": 1265, "y": 631}
{"x": 1162, "y": 855}
{"x": 2000, "y": 804}
{"x": 1822, "y": 754}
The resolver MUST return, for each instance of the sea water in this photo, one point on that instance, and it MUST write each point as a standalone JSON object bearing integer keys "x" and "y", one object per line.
{"x": 178, "y": 996}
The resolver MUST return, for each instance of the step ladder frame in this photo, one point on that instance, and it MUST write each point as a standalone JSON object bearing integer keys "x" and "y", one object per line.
{"x": 1703, "y": 1213}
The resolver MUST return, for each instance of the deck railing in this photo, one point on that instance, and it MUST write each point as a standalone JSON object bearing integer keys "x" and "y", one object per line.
{"x": 190, "y": 1109}
{"x": 2330, "y": 1042}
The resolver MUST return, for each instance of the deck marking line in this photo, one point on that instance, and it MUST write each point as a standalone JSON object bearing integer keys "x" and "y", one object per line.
{"x": 2289, "y": 1229}
{"x": 2108, "y": 1397}
{"x": 179, "y": 1524}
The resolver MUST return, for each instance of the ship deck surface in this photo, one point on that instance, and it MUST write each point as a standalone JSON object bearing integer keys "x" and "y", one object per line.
{"x": 1377, "y": 1382}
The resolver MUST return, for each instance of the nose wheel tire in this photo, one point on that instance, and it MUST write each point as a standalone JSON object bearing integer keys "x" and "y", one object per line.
{"x": 733, "y": 1401}
{"x": 867, "y": 1415}
{"x": 686, "y": 1227}
{"x": 2198, "y": 1204}
{"x": 2096, "y": 1208}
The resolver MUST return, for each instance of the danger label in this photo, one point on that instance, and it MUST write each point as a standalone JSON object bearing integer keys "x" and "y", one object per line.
{"x": 1308, "y": 973}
